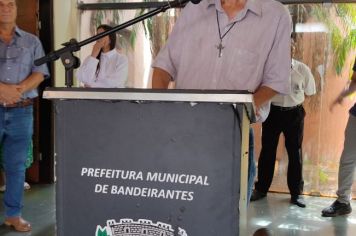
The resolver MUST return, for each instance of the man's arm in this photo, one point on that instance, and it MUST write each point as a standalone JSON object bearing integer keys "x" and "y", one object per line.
{"x": 160, "y": 78}
{"x": 276, "y": 74}
{"x": 310, "y": 87}
{"x": 262, "y": 95}
{"x": 31, "y": 82}
{"x": 351, "y": 89}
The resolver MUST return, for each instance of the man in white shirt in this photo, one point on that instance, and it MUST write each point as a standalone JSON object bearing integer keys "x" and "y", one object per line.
{"x": 287, "y": 117}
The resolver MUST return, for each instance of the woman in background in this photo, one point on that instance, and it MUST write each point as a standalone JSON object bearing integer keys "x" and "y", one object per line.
{"x": 105, "y": 67}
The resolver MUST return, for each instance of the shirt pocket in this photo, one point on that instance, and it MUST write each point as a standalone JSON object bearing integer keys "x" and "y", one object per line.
{"x": 297, "y": 88}
{"x": 241, "y": 71}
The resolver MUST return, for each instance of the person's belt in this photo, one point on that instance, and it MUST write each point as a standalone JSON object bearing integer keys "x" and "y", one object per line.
{"x": 285, "y": 108}
{"x": 23, "y": 103}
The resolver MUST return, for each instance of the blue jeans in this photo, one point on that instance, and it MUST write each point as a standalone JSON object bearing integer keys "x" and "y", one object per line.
{"x": 251, "y": 165}
{"x": 16, "y": 129}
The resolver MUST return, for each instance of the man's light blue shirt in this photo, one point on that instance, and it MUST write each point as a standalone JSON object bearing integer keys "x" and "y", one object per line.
{"x": 17, "y": 60}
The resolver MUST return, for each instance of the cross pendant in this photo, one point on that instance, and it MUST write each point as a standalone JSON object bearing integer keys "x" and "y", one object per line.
{"x": 220, "y": 47}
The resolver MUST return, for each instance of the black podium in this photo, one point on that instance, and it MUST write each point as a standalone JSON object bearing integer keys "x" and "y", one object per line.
{"x": 150, "y": 162}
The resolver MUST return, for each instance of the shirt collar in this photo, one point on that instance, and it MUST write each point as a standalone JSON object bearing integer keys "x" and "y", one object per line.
{"x": 254, "y": 6}
{"x": 293, "y": 63}
{"x": 18, "y": 31}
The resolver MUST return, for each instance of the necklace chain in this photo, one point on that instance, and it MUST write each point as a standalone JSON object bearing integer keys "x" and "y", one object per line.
{"x": 220, "y": 47}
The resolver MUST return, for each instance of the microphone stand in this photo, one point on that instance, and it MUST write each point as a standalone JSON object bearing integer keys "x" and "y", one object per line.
{"x": 72, "y": 62}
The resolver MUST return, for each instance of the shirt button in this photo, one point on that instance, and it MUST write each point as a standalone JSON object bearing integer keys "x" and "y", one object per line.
{"x": 7, "y": 79}
{"x": 9, "y": 68}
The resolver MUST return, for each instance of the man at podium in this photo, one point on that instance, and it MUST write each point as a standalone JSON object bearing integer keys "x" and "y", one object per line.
{"x": 229, "y": 45}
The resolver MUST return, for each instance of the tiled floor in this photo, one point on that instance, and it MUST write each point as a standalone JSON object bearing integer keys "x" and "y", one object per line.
{"x": 273, "y": 212}
{"x": 283, "y": 219}
{"x": 39, "y": 210}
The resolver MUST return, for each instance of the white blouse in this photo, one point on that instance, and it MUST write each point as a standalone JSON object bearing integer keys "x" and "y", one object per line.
{"x": 113, "y": 71}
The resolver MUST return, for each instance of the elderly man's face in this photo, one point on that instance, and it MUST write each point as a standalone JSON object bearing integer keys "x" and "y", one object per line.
{"x": 8, "y": 11}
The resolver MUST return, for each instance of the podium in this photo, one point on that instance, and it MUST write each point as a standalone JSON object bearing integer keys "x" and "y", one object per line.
{"x": 150, "y": 162}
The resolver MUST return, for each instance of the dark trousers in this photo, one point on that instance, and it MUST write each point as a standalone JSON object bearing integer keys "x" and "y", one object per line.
{"x": 291, "y": 124}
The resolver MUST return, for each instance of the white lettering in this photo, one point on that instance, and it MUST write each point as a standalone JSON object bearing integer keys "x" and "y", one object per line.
{"x": 101, "y": 188}
{"x": 84, "y": 171}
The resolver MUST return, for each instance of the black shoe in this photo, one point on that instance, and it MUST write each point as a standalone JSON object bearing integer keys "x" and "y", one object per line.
{"x": 263, "y": 232}
{"x": 298, "y": 200}
{"x": 257, "y": 195}
{"x": 337, "y": 209}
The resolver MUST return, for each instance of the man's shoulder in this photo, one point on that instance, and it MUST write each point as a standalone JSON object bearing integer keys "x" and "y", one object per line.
{"x": 196, "y": 8}
{"x": 272, "y": 6}
{"x": 299, "y": 64}
{"x": 26, "y": 35}
{"x": 301, "y": 67}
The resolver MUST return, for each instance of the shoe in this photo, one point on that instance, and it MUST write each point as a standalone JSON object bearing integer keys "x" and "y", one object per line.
{"x": 298, "y": 200}
{"x": 18, "y": 223}
{"x": 263, "y": 232}
{"x": 257, "y": 195}
{"x": 337, "y": 209}
{"x": 26, "y": 186}
{"x": 2, "y": 188}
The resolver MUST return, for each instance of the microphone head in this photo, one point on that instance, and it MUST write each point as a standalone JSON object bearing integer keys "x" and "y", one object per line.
{"x": 195, "y": 1}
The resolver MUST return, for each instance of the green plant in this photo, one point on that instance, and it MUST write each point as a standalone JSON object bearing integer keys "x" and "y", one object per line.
{"x": 341, "y": 22}
{"x": 98, "y": 17}
{"x": 156, "y": 28}
{"x": 323, "y": 177}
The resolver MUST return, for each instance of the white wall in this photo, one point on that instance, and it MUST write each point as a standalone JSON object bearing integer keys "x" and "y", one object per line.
{"x": 65, "y": 27}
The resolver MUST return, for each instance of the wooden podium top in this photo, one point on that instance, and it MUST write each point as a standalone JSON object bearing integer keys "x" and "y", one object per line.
{"x": 171, "y": 95}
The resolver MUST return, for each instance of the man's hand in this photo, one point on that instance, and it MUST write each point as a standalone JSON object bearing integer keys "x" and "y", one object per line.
{"x": 351, "y": 88}
{"x": 10, "y": 93}
{"x": 263, "y": 95}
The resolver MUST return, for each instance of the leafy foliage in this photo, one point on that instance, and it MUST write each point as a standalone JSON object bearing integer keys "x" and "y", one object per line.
{"x": 342, "y": 31}
{"x": 99, "y": 16}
